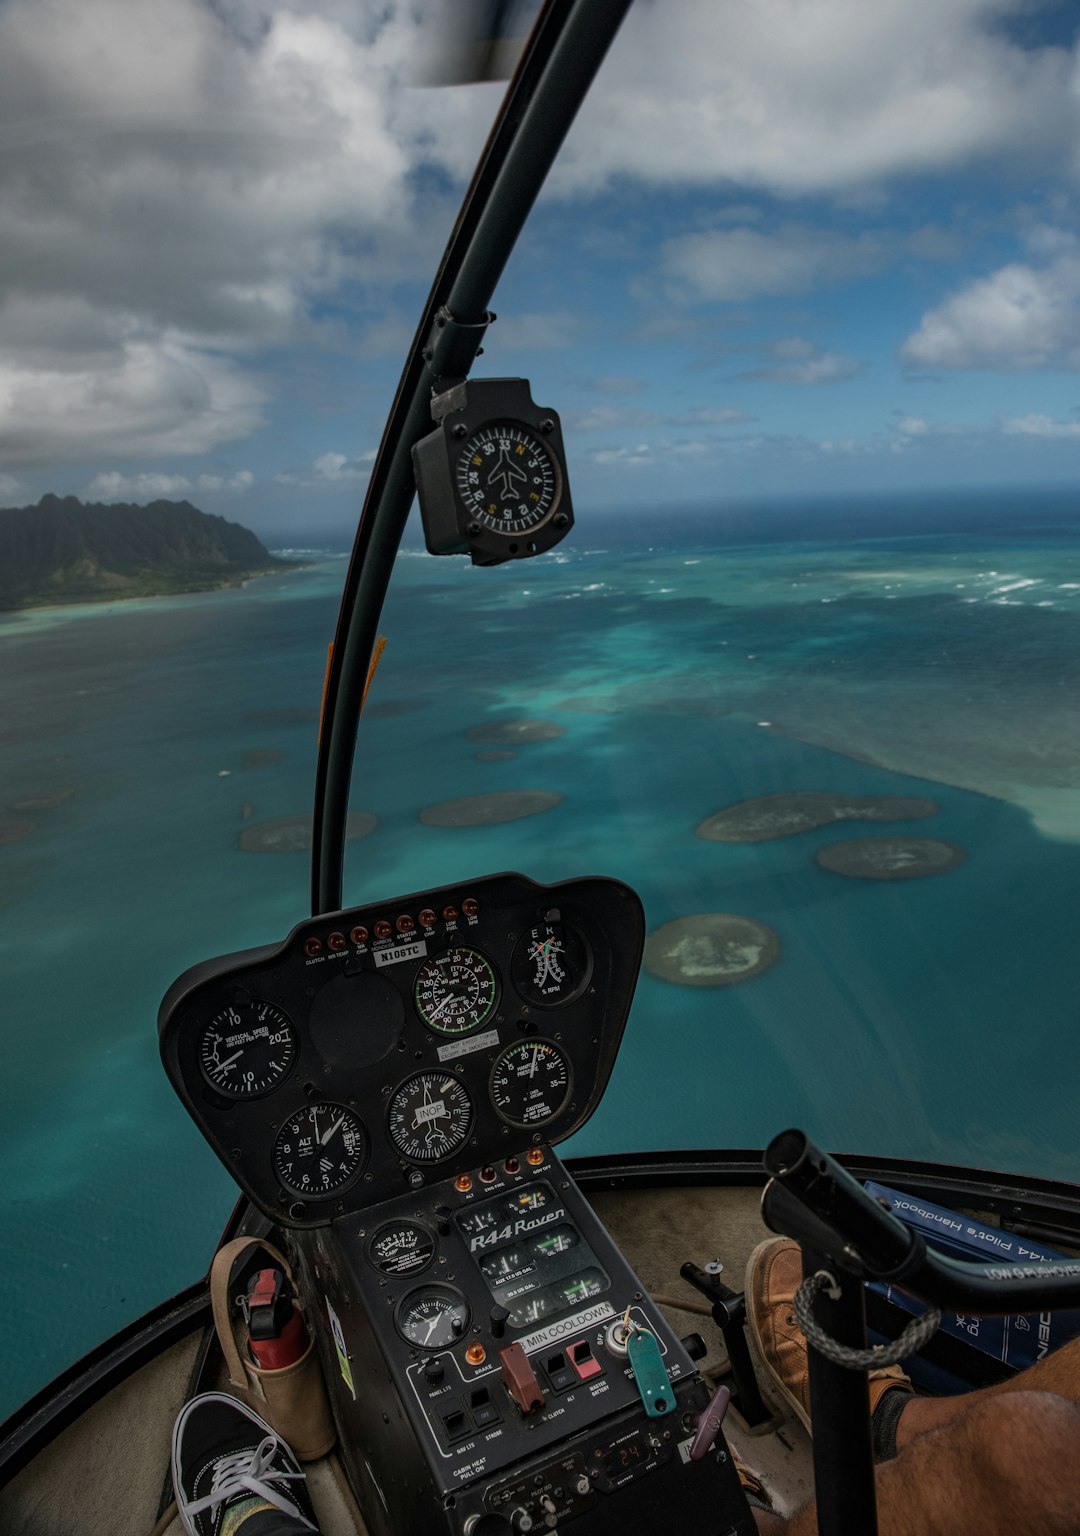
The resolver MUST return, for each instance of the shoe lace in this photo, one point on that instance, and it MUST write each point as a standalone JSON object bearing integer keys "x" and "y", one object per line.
{"x": 246, "y": 1472}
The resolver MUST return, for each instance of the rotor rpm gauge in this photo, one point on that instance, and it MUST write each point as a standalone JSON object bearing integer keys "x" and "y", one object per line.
{"x": 247, "y": 1049}
{"x": 430, "y": 1117}
{"x": 530, "y": 1082}
{"x": 455, "y": 991}
{"x": 319, "y": 1150}
{"x": 433, "y": 1317}
{"x": 508, "y": 480}
{"x": 550, "y": 965}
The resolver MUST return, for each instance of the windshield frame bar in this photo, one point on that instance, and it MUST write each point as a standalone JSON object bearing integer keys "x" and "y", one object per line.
{"x": 562, "y": 56}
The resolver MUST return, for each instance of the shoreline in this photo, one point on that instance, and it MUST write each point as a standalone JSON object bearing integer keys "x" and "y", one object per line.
{"x": 236, "y": 582}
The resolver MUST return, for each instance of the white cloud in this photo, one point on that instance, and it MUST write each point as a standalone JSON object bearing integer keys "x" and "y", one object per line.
{"x": 158, "y": 396}
{"x": 797, "y": 97}
{"x": 10, "y": 488}
{"x": 709, "y": 416}
{"x": 1020, "y": 318}
{"x": 798, "y": 361}
{"x": 603, "y": 418}
{"x": 733, "y": 265}
{"x": 1035, "y": 425}
{"x": 175, "y": 171}
{"x": 111, "y": 485}
{"x": 331, "y": 468}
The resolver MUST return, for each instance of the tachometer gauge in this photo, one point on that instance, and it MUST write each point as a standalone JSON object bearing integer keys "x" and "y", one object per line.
{"x": 551, "y": 965}
{"x": 530, "y": 1082}
{"x": 507, "y": 479}
{"x": 455, "y": 991}
{"x": 433, "y": 1317}
{"x": 320, "y": 1150}
{"x": 430, "y": 1117}
{"x": 401, "y": 1248}
{"x": 247, "y": 1049}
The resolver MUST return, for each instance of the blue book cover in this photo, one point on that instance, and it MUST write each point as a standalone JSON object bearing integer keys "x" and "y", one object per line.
{"x": 1019, "y": 1339}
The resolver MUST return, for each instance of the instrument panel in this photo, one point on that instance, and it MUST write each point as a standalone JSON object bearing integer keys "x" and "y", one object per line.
{"x": 388, "y": 1047}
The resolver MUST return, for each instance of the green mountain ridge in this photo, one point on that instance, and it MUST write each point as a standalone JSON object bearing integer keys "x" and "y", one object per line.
{"x": 65, "y": 551}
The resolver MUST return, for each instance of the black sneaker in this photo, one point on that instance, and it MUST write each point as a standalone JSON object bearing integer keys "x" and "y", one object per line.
{"x": 225, "y": 1457}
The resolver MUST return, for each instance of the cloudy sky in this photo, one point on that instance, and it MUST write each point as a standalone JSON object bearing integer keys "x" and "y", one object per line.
{"x": 791, "y": 245}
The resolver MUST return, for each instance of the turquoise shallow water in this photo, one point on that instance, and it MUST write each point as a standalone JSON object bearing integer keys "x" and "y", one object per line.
{"x": 931, "y": 1018}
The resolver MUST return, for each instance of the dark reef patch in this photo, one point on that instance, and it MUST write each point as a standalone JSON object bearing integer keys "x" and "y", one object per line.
{"x": 711, "y": 949}
{"x": 489, "y": 810}
{"x": 43, "y": 802}
{"x": 890, "y": 858}
{"x": 12, "y": 831}
{"x": 785, "y": 815}
{"x": 292, "y": 834}
{"x": 262, "y": 757}
{"x": 510, "y": 732}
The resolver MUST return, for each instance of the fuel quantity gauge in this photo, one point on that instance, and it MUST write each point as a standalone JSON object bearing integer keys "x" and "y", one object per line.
{"x": 530, "y": 1082}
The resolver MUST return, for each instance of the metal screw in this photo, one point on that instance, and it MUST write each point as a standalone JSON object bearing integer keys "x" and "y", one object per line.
{"x": 473, "y": 530}
{"x": 560, "y": 520}
{"x": 461, "y": 429}
{"x": 547, "y": 425}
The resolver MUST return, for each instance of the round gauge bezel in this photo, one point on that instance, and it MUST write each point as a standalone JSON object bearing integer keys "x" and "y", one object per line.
{"x": 404, "y": 1087}
{"x": 531, "y": 436}
{"x": 349, "y": 1179}
{"x": 525, "y": 1044}
{"x": 430, "y": 963}
{"x": 583, "y": 981}
{"x": 439, "y": 1288}
{"x": 389, "y": 1226}
{"x": 243, "y": 1095}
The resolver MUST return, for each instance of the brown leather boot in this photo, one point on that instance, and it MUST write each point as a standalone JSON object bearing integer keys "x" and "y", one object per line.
{"x": 773, "y": 1275}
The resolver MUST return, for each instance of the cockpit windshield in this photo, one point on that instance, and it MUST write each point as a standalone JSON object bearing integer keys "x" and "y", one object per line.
{"x": 802, "y": 288}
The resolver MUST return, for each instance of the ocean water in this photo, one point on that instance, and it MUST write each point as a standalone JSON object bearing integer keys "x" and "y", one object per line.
{"x": 692, "y": 661}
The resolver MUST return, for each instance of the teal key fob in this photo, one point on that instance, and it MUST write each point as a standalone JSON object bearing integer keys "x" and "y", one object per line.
{"x": 654, "y": 1388}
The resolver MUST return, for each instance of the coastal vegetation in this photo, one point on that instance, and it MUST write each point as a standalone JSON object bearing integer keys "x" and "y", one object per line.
{"x": 64, "y": 551}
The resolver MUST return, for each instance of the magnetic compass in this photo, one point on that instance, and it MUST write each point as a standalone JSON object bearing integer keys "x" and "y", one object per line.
{"x": 507, "y": 479}
{"x": 492, "y": 476}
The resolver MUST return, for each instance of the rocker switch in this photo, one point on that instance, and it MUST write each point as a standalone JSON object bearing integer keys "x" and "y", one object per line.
{"x": 519, "y": 1378}
{"x": 583, "y": 1360}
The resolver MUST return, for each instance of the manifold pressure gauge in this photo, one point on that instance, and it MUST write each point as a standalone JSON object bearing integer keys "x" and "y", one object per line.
{"x": 492, "y": 476}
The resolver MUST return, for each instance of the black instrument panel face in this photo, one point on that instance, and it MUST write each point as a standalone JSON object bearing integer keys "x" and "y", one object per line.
{"x": 389, "y": 1047}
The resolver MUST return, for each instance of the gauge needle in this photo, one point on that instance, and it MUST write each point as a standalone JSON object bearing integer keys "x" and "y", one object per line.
{"x": 325, "y": 1137}
{"x": 536, "y": 1058}
{"x": 236, "y": 1055}
{"x": 431, "y": 1328}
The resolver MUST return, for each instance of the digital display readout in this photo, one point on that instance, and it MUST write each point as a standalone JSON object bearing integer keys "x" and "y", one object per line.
{"x": 532, "y": 1256}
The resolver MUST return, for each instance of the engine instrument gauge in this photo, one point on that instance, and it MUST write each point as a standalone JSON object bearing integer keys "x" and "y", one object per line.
{"x": 507, "y": 478}
{"x": 319, "y": 1150}
{"x": 401, "y": 1248}
{"x": 247, "y": 1049}
{"x": 430, "y": 1117}
{"x": 433, "y": 1317}
{"x": 455, "y": 992}
{"x": 550, "y": 965}
{"x": 530, "y": 1082}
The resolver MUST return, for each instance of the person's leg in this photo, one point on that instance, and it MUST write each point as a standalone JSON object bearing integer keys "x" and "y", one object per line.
{"x": 1058, "y": 1373}
{"x": 1002, "y": 1465}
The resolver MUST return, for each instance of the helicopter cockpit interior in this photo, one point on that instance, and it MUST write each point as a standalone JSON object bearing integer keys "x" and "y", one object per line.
{"x": 387, "y": 1086}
